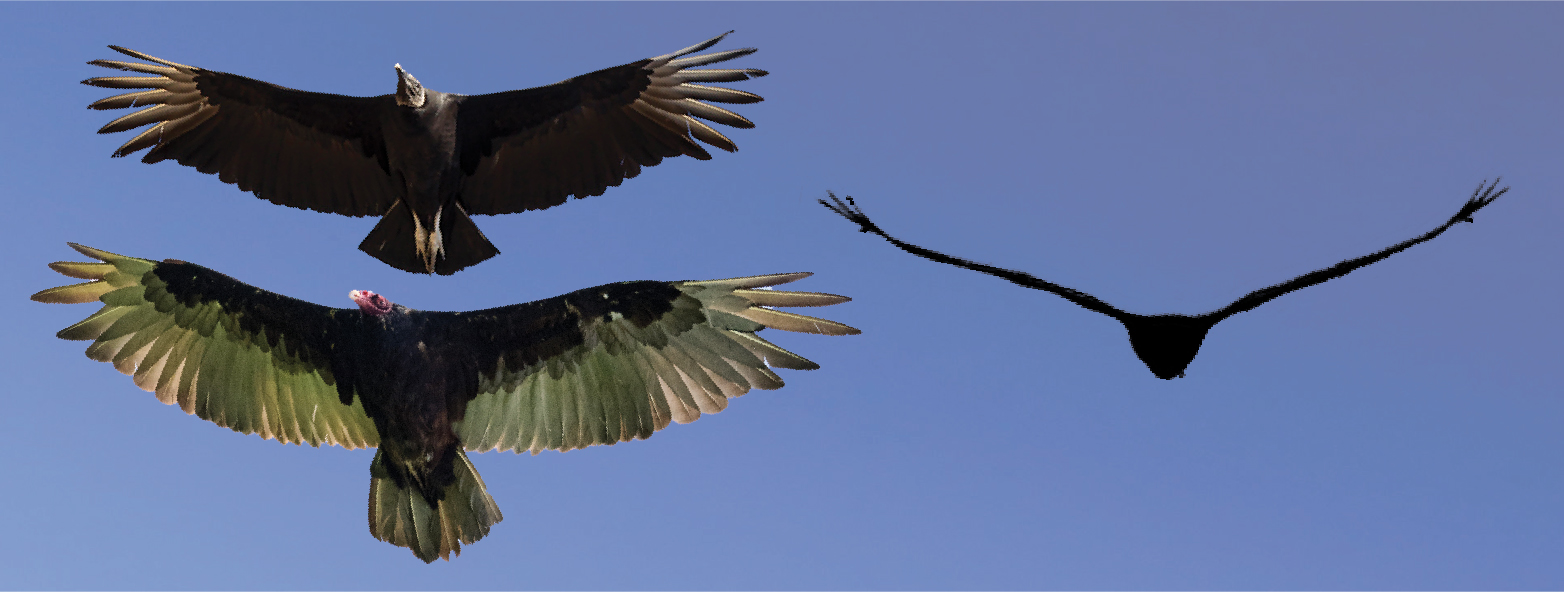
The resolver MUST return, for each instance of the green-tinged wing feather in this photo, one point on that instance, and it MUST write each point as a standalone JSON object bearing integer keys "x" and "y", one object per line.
{"x": 622, "y": 361}
{"x": 200, "y": 340}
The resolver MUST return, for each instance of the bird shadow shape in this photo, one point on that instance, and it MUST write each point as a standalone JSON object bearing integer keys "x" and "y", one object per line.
{"x": 1167, "y": 343}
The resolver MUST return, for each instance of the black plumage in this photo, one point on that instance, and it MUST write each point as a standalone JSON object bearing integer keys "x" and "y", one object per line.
{"x": 597, "y": 366}
{"x": 1167, "y": 343}
{"x": 423, "y": 160}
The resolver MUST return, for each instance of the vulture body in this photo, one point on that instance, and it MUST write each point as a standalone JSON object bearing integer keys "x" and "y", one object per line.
{"x": 423, "y": 160}
{"x": 1167, "y": 343}
{"x": 597, "y": 366}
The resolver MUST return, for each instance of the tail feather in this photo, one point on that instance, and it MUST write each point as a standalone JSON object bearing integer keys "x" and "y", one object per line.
{"x": 457, "y": 244}
{"x": 465, "y": 245}
{"x": 401, "y": 516}
{"x": 392, "y": 240}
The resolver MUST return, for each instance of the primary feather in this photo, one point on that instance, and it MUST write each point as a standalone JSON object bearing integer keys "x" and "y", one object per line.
{"x": 597, "y": 366}
{"x": 423, "y": 160}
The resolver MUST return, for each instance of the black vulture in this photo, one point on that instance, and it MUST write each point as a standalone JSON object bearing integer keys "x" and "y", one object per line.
{"x": 1167, "y": 343}
{"x": 423, "y": 160}
{"x": 597, "y": 366}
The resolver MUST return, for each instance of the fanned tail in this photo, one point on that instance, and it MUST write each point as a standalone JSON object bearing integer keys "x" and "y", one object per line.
{"x": 400, "y": 242}
{"x": 465, "y": 245}
{"x": 402, "y": 517}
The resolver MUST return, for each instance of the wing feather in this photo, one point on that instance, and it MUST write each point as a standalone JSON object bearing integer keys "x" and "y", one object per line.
{"x": 618, "y": 362}
{"x": 245, "y": 359}
{"x": 534, "y": 148}
{"x": 1481, "y": 197}
{"x": 265, "y": 138}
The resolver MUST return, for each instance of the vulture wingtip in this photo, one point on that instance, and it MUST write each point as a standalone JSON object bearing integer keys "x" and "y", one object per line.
{"x": 1481, "y": 197}
{"x": 94, "y": 253}
{"x": 698, "y": 47}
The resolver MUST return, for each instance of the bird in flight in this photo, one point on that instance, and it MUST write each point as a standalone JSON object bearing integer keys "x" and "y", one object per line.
{"x": 597, "y": 366}
{"x": 1167, "y": 343}
{"x": 422, "y": 160}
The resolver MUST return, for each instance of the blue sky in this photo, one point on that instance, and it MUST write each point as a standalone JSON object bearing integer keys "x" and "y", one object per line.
{"x": 1395, "y": 429}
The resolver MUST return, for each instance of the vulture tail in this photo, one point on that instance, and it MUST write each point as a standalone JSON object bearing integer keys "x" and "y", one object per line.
{"x": 401, "y": 516}
{"x": 1167, "y": 343}
{"x": 458, "y": 243}
{"x": 465, "y": 245}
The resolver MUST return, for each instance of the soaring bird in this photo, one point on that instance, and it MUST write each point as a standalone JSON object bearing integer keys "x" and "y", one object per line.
{"x": 597, "y": 366}
{"x": 423, "y": 160}
{"x": 1167, "y": 343}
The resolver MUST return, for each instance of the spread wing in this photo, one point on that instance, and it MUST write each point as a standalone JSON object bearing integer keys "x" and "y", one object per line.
{"x": 1480, "y": 197}
{"x": 849, "y": 209}
{"x": 531, "y": 149}
{"x": 306, "y": 150}
{"x": 620, "y": 361}
{"x": 246, "y": 359}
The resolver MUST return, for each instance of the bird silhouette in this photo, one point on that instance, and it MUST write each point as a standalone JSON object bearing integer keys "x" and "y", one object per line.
{"x": 1167, "y": 343}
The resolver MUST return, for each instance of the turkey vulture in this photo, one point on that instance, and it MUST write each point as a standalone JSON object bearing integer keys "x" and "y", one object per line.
{"x": 597, "y": 366}
{"x": 1167, "y": 343}
{"x": 423, "y": 160}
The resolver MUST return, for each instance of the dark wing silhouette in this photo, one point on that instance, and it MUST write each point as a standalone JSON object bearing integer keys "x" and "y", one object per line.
{"x": 308, "y": 150}
{"x": 850, "y": 210}
{"x": 620, "y": 361}
{"x": 1168, "y": 343}
{"x": 531, "y": 149}
{"x": 244, "y": 358}
{"x": 1480, "y": 197}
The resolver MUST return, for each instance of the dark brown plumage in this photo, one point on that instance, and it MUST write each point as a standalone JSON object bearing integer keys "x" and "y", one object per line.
{"x": 1168, "y": 343}
{"x": 423, "y": 160}
{"x": 600, "y": 365}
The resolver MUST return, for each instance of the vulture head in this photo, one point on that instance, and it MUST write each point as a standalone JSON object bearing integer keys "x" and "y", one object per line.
{"x": 370, "y": 303}
{"x": 409, "y": 93}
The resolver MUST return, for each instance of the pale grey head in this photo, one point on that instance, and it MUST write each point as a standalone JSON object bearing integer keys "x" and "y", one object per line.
{"x": 409, "y": 93}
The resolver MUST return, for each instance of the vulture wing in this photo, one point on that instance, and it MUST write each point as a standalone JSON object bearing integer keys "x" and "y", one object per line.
{"x": 531, "y": 149}
{"x": 308, "y": 150}
{"x": 849, "y": 209}
{"x": 246, "y": 359}
{"x": 620, "y": 361}
{"x": 1480, "y": 197}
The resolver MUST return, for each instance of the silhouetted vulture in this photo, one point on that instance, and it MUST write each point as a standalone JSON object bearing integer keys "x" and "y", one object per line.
{"x": 597, "y": 366}
{"x": 1167, "y": 343}
{"x": 425, "y": 160}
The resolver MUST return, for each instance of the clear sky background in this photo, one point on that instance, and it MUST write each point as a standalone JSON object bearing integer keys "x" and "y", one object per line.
{"x": 1399, "y": 428}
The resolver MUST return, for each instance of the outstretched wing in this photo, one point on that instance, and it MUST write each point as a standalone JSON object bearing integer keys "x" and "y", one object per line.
{"x": 620, "y": 361}
{"x": 1480, "y": 197}
{"x": 247, "y": 359}
{"x": 531, "y": 149}
{"x": 849, "y": 209}
{"x": 306, "y": 150}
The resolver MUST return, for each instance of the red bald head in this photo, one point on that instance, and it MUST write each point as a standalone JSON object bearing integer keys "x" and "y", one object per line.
{"x": 370, "y": 303}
